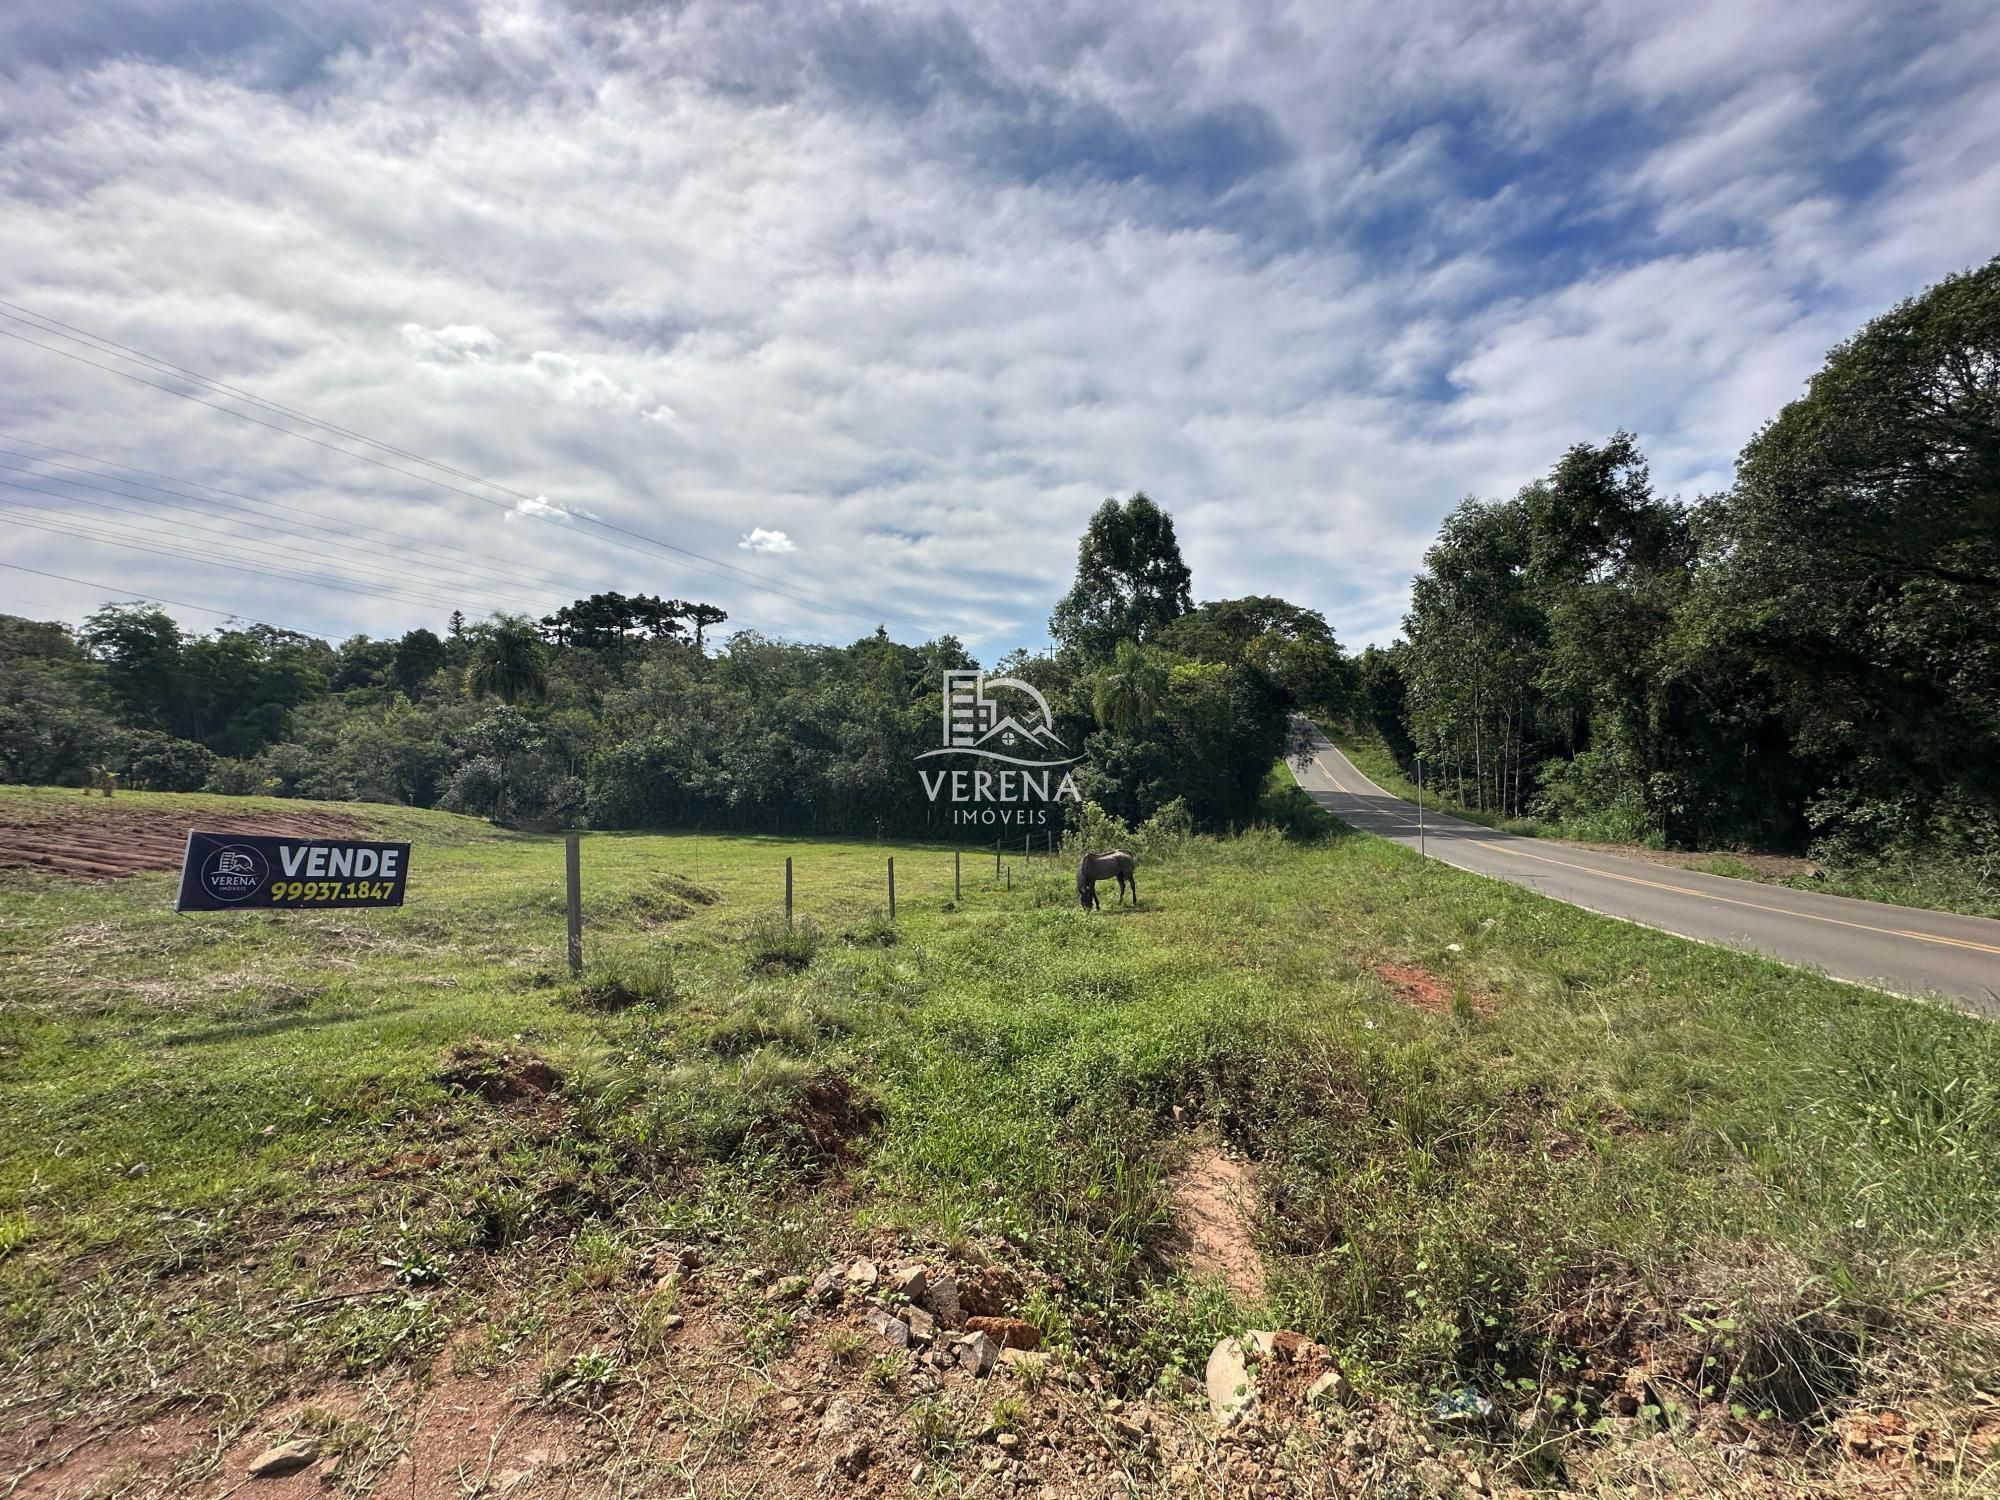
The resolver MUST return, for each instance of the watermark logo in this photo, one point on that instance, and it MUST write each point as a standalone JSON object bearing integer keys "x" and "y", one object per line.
{"x": 1019, "y": 764}
{"x": 234, "y": 873}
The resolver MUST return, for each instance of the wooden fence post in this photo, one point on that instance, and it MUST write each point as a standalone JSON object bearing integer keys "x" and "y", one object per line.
{"x": 573, "y": 879}
{"x": 1010, "y": 877}
{"x": 892, "y": 888}
{"x": 788, "y": 890}
{"x": 996, "y": 859}
{"x": 954, "y": 877}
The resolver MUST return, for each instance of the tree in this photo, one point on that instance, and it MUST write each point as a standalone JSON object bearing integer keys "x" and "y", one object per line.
{"x": 503, "y": 737}
{"x": 1126, "y": 694}
{"x": 509, "y": 661}
{"x": 1857, "y": 560}
{"x": 419, "y": 656}
{"x": 140, "y": 646}
{"x": 703, "y": 616}
{"x": 1130, "y": 580}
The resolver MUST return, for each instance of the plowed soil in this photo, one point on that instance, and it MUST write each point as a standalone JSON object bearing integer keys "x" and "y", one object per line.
{"x": 101, "y": 841}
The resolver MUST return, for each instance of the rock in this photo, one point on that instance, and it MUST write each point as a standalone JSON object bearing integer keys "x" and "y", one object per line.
{"x": 909, "y": 1281}
{"x": 891, "y": 1327}
{"x": 689, "y": 1257}
{"x": 828, "y": 1286}
{"x": 1008, "y": 1333}
{"x": 790, "y": 1289}
{"x": 1330, "y": 1389}
{"x": 863, "y": 1274}
{"x": 673, "y": 1323}
{"x": 839, "y": 1419}
{"x": 977, "y": 1354}
{"x": 922, "y": 1326}
{"x": 1028, "y": 1365}
{"x": 941, "y": 1297}
{"x": 855, "y": 1457}
{"x": 286, "y": 1458}
{"x": 1133, "y": 1430}
{"x": 1232, "y": 1389}
{"x": 1008, "y": 1441}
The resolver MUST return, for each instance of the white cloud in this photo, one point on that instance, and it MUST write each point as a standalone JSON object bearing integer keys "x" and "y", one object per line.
{"x": 458, "y": 342}
{"x": 947, "y": 278}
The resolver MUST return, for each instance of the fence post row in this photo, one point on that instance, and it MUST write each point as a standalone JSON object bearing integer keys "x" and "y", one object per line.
{"x": 573, "y": 879}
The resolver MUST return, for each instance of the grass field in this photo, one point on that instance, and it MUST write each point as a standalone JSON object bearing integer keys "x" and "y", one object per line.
{"x": 1604, "y": 1151}
{"x": 1939, "y": 882}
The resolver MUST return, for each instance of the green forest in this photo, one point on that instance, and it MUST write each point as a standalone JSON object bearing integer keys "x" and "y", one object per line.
{"x": 1809, "y": 659}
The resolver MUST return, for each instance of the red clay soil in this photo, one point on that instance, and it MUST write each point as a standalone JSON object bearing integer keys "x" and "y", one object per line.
{"x": 1424, "y": 990}
{"x": 104, "y": 841}
{"x": 1214, "y": 1198}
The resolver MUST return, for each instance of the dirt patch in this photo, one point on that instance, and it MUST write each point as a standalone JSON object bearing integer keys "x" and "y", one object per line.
{"x": 1423, "y": 989}
{"x": 499, "y": 1077}
{"x": 828, "y": 1123}
{"x": 104, "y": 841}
{"x": 1215, "y": 1198}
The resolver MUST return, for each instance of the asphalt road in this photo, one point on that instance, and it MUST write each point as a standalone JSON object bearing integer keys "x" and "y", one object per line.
{"x": 1897, "y": 948}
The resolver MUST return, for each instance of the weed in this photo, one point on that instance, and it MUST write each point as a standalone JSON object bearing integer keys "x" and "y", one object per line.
{"x": 844, "y": 1346}
{"x": 776, "y": 944}
{"x": 935, "y": 1428}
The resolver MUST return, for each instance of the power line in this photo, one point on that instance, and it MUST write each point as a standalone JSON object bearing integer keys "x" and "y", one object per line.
{"x": 204, "y": 609}
{"x": 470, "y": 587}
{"x": 533, "y": 576}
{"x": 345, "y": 585}
{"x": 254, "y": 549}
{"x": 796, "y": 593}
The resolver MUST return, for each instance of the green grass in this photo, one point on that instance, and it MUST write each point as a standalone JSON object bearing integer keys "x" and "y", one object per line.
{"x": 210, "y": 1122}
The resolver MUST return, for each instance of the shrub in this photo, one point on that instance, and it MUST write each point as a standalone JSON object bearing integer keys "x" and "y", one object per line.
{"x": 152, "y": 762}
{"x": 237, "y": 778}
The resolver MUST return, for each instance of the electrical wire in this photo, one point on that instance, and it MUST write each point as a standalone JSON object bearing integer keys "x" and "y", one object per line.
{"x": 203, "y": 609}
{"x": 731, "y": 572}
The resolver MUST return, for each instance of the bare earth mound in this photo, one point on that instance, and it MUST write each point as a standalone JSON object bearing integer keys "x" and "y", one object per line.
{"x": 1214, "y": 1198}
{"x": 103, "y": 842}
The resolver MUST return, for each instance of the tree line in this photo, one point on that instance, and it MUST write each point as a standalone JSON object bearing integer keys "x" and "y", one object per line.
{"x": 1810, "y": 657}
{"x": 620, "y": 712}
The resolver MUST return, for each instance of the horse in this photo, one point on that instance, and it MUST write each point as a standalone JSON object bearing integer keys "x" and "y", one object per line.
{"x": 1096, "y": 867}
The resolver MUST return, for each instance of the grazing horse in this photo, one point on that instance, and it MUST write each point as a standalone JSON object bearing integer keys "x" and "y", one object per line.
{"x": 1096, "y": 867}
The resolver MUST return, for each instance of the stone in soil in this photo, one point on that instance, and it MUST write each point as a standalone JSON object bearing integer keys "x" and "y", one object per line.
{"x": 863, "y": 1274}
{"x": 941, "y": 1297}
{"x": 977, "y": 1354}
{"x": 909, "y": 1281}
{"x": 1232, "y": 1389}
{"x": 922, "y": 1326}
{"x": 839, "y": 1418}
{"x": 1008, "y": 1333}
{"x": 889, "y": 1326}
{"x": 286, "y": 1458}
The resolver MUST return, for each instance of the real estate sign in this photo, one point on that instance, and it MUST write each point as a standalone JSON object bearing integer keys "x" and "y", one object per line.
{"x": 237, "y": 871}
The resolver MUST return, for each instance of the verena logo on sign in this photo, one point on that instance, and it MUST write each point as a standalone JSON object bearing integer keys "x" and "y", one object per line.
{"x": 234, "y": 873}
{"x": 1013, "y": 752}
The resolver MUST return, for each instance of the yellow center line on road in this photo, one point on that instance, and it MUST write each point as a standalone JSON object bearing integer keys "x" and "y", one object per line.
{"x": 1782, "y": 911}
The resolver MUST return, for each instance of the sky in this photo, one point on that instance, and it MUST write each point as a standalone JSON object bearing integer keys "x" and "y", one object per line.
{"x": 847, "y": 315}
